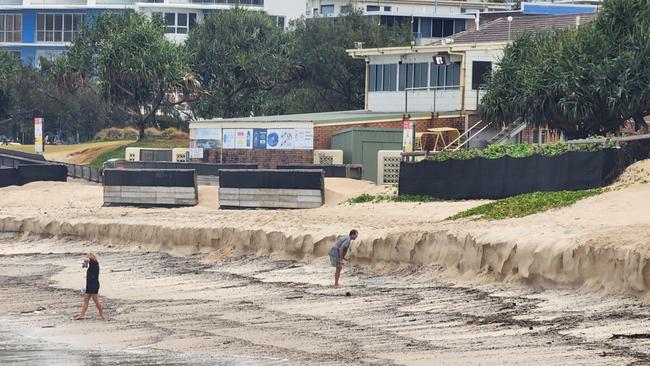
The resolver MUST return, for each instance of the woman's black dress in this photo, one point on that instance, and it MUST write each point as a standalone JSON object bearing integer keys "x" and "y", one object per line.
{"x": 92, "y": 278}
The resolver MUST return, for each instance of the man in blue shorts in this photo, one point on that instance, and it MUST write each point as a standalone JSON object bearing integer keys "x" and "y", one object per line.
{"x": 337, "y": 254}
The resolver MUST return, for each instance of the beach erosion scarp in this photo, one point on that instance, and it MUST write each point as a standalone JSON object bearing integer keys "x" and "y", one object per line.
{"x": 598, "y": 244}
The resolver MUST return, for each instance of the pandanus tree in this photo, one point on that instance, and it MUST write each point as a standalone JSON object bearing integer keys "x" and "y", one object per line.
{"x": 590, "y": 79}
{"x": 138, "y": 71}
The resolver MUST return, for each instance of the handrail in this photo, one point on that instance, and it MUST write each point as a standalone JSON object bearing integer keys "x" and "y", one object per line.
{"x": 468, "y": 140}
{"x": 464, "y": 133}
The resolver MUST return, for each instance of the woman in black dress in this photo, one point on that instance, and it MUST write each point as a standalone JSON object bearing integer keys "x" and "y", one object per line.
{"x": 92, "y": 286}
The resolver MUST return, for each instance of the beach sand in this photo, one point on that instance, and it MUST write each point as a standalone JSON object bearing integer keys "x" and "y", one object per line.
{"x": 566, "y": 286}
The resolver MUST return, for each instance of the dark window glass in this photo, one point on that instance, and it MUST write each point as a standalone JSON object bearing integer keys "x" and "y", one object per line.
{"x": 425, "y": 27}
{"x": 182, "y": 20}
{"x": 372, "y": 82}
{"x": 437, "y": 28}
{"x": 327, "y": 9}
{"x": 480, "y": 70}
{"x": 420, "y": 75}
{"x": 459, "y": 25}
{"x": 448, "y": 27}
{"x": 372, "y": 8}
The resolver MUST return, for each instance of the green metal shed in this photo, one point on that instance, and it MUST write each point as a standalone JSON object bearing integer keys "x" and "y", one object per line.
{"x": 360, "y": 146}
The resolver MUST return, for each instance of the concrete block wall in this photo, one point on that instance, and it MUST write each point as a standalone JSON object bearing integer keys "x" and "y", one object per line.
{"x": 388, "y": 162}
{"x": 142, "y": 195}
{"x": 321, "y": 156}
{"x": 265, "y": 159}
{"x": 270, "y": 198}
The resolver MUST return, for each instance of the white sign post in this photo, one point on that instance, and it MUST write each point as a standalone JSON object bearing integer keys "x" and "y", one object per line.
{"x": 408, "y": 136}
{"x": 38, "y": 135}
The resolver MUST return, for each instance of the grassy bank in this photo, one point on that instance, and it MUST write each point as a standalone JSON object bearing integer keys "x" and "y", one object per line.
{"x": 367, "y": 198}
{"x": 525, "y": 204}
{"x": 119, "y": 153}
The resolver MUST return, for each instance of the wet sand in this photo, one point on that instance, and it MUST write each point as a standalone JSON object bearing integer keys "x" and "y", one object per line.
{"x": 266, "y": 310}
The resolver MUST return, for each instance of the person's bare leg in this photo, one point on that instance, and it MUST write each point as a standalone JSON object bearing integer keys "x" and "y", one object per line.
{"x": 84, "y": 307}
{"x": 337, "y": 274}
{"x": 99, "y": 306}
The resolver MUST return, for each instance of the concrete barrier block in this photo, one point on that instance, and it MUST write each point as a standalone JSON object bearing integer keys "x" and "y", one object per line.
{"x": 229, "y": 203}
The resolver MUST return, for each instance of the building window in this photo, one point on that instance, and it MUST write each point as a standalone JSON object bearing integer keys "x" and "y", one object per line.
{"x": 11, "y": 27}
{"x": 279, "y": 21}
{"x": 346, "y": 9}
{"x": 388, "y": 8}
{"x": 177, "y": 23}
{"x": 231, "y": 2}
{"x": 414, "y": 76}
{"x": 445, "y": 76}
{"x": 438, "y": 27}
{"x": 58, "y": 27}
{"x": 480, "y": 70}
{"x": 327, "y": 10}
{"x": 372, "y": 8}
{"x": 382, "y": 77}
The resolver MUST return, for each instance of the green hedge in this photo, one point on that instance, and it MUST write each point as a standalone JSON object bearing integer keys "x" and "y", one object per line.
{"x": 497, "y": 151}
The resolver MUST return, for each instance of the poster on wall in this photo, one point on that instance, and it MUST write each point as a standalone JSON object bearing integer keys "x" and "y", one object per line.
{"x": 196, "y": 153}
{"x": 229, "y": 138}
{"x": 408, "y": 136}
{"x": 279, "y": 139}
{"x": 259, "y": 138}
{"x": 38, "y": 135}
{"x": 244, "y": 139}
{"x": 205, "y": 138}
{"x": 303, "y": 138}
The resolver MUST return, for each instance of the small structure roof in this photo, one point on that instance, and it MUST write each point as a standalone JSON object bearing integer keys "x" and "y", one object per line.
{"x": 323, "y": 118}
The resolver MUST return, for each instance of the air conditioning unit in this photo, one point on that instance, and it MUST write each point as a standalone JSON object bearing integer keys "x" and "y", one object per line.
{"x": 132, "y": 154}
{"x": 180, "y": 155}
{"x": 328, "y": 157}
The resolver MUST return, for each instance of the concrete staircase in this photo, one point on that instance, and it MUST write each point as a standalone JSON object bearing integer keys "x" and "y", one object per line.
{"x": 508, "y": 132}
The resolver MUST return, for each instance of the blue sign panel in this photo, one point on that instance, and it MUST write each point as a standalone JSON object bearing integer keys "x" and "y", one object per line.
{"x": 259, "y": 138}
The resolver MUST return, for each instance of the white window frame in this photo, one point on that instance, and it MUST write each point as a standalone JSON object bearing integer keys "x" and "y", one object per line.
{"x": 71, "y": 26}
{"x": 13, "y": 35}
{"x": 176, "y": 28}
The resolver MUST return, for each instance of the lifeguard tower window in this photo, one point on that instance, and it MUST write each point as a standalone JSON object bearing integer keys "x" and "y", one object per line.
{"x": 480, "y": 70}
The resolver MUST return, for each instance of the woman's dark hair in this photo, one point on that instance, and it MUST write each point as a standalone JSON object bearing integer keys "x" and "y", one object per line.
{"x": 353, "y": 232}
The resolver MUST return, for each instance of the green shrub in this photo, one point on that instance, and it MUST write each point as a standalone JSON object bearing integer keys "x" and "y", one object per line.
{"x": 366, "y": 198}
{"x": 152, "y": 132}
{"x": 526, "y": 204}
{"x": 555, "y": 149}
{"x": 174, "y": 134}
{"x": 497, "y": 151}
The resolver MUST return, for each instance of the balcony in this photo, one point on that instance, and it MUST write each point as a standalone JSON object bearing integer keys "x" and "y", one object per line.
{"x": 59, "y": 2}
{"x": 115, "y": 2}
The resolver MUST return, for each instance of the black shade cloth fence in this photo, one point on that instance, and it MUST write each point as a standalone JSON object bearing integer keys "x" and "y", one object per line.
{"x": 483, "y": 178}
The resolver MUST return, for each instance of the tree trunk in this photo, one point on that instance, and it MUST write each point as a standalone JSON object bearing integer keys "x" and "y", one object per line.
{"x": 141, "y": 134}
{"x": 640, "y": 124}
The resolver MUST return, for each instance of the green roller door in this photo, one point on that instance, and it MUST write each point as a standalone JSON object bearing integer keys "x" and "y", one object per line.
{"x": 360, "y": 146}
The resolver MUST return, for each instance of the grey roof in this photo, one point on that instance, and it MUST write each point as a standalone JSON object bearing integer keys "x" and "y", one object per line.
{"x": 357, "y": 116}
{"x": 497, "y": 31}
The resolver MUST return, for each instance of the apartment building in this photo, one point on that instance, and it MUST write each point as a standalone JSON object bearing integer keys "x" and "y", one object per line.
{"x": 430, "y": 20}
{"x": 34, "y": 29}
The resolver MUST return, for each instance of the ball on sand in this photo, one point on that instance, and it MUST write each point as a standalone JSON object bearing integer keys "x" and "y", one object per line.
{"x": 348, "y": 293}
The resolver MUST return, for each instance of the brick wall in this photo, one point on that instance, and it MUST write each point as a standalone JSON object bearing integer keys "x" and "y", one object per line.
{"x": 323, "y": 134}
{"x": 267, "y": 159}
{"x": 531, "y": 135}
